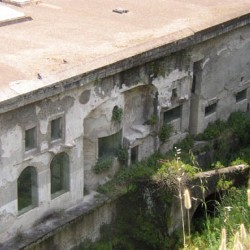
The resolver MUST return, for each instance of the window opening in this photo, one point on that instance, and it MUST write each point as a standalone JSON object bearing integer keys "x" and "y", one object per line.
{"x": 172, "y": 114}
{"x": 242, "y": 95}
{"x": 56, "y": 129}
{"x": 210, "y": 109}
{"x": 59, "y": 171}
{"x": 27, "y": 189}
{"x": 30, "y": 138}
{"x": 196, "y": 75}
{"x": 134, "y": 154}
{"x": 174, "y": 93}
{"x": 108, "y": 145}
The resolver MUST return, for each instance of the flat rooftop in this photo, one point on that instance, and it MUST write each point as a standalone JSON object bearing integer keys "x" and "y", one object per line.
{"x": 67, "y": 37}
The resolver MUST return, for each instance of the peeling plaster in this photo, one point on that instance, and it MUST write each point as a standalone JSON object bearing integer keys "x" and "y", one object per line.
{"x": 11, "y": 141}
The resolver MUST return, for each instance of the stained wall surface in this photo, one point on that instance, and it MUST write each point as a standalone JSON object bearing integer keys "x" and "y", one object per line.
{"x": 187, "y": 89}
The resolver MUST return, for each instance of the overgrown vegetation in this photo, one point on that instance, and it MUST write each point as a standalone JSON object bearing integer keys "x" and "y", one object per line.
{"x": 104, "y": 163}
{"x": 122, "y": 155}
{"x": 117, "y": 114}
{"x": 231, "y": 212}
{"x": 165, "y": 132}
{"x": 144, "y": 227}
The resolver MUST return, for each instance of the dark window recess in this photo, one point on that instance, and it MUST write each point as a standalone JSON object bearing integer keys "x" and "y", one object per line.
{"x": 172, "y": 114}
{"x": 174, "y": 93}
{"x": 30, "y": 138}
{"x": 59, "y": 170}
{"x": 196, "y": 75}
{"x": 56, "y": 129}
{"x": 108, "y": 146}
{"x": 134, "y": 154}
{"x": 242, "y": 95}
{"x": 193, "y": 84}
{"x": 210, "y": 109}
{"x": 26, "y": 188}
{"x": 130, "y": 77}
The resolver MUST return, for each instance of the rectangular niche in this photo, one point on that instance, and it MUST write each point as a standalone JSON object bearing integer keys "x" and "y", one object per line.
{"x": 210, "y": 109}
{"x": 108, "y": 145}
{"x": 172, "y": 114}
{"x": 241, "y": 95}
{"x": 30, "y": 139}
{"x": 134, "y": 154}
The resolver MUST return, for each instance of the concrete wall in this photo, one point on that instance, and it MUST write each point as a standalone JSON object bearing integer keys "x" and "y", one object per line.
{"x": 151, "y": 88}
{"x": 224, "y": 72}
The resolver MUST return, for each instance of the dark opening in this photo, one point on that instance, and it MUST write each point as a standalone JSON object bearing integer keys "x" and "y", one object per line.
{"x": 108, "y": 146}
{"x": 134, "y": 154}
{"x": 59, "y": 171}
{"x": 30, "y": 138}
{"x": 56, "y": 129}
{"x": 172, "y": 114}
{"x": 26, "y": 188}
{"x": 196, "y": 74}
{"x": 174, "y": 93}
{"x": 209, "y": 207}
{"x": 210, "y": 109}
{"x": 242, "y": 95}
{"x": 130, "y": 77}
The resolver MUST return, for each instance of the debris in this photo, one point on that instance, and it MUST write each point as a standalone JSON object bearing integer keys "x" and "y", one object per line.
{"x": 120, "y": 10}
{"x": 39, "y": 76}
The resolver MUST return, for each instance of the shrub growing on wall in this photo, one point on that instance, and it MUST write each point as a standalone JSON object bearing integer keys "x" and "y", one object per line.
{"x": 117, "y": 114}
{"x": 104, "y": 163}
{"x": 165, "y": 132}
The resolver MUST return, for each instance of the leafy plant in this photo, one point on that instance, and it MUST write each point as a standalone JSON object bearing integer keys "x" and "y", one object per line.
{"x": 218, "y": 165}
{"x": 186, "y": 144}
{"x": 240, "y": 124}
{"x": 103, "y": 164}
{"x": 117, "y": 114}
{"x": 224, "y": 184}
{"x": 153, "y": 120}
{"x": 122, "y": 155}
{"x": 213, "y": 130}
{"x": 165, "y": 132}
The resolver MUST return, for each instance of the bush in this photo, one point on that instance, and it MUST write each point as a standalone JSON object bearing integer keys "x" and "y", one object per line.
{"x": 103, "y": 164}
{"x": 117, "y": 114}
{"x": 213, "y": 130}
{"x": 186, "y": 144}
{"x": 239, "y": 122}
{"x": 165, "y": 132}
{"x": 122, "y": 155}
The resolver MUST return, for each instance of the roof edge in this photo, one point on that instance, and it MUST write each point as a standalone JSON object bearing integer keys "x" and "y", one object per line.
{"x": 113, "y": 64}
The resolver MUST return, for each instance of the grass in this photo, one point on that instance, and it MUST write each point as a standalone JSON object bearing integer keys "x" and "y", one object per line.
{"x": 231, "y": 212}
{"x": 166, "y": 171}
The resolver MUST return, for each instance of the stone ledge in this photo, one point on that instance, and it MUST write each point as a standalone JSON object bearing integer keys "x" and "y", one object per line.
{"x": 10, "y": 16}
{"x": 55, "y": 223}
{"x": 117, "y": 62}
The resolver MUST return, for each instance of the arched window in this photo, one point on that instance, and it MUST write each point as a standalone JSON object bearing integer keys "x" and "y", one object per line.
{"x": 27, "y": 189}
{"x": 59, "y": 174}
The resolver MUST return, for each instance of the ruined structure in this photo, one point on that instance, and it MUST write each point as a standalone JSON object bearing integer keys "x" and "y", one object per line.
{"x": 80, "y": 81}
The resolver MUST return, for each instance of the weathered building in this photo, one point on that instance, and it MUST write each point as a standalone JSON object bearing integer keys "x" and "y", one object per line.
{"x": 79, "y": 81}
